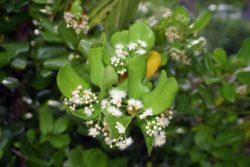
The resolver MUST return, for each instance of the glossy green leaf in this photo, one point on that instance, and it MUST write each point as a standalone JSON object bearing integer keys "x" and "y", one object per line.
{"x": 68, "y": 79}
{"x": 76, "y": 8}
{"x": 220, "y": 56}
{"x": 120, "y": 38}
{"x": 4, "y": 58}
{"x": 96, "y": 66}
{"x": 81, "y": 114}
{"x": 55, "y": 63}
{"x": 19, "y": 64}
{"x": 140, "y": 31}
{"x": 109, "y": 77}
{"x": 51, "y": 37}
{"x": 45, "y": 119}
{"x": 244, "y": 77}
{"x": 200, "y": 22}
{"x": 136, "y": 73}
{"x": 162, "y": 97}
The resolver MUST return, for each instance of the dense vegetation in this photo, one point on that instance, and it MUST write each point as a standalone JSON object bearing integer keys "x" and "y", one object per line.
{"x": 210, "y": 125}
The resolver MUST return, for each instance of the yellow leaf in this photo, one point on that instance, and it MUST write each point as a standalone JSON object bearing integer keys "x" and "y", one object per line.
{"x": 154, "y": 62}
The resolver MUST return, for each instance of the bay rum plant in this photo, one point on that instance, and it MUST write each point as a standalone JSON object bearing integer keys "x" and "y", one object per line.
{"x": 113, "y": 90}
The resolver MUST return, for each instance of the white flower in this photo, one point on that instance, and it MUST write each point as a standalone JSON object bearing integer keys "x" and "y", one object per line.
{"x": 134, "y": 104}
{"x": 146, "y": 113}
{"x": 143, "y": 7}
{"x": 117, "y": 96}
{"x": 141, "y": 51}
{"x": 121, "y": 129}
{"x": 132, "y": 46}
{"x": 93, "y": 132}
{"x": 114, "y": 111}
{"x": 142, "y": 43}
{"x": 104, "y": 104}
{"x": 123, "y": 144}
{"x": 160, "y": 139}
{"x": 152, "y": 21}
{"x": 119, "y": 46}
{"x": 88, "y": 111}
{"x": 167, "y": 13}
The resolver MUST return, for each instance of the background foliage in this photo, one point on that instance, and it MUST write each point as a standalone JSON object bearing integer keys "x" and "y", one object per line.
{"x": 211, "y": 125}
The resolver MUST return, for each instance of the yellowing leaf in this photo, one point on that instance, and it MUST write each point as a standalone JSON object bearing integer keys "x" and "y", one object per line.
{"x": 154, "y": 62}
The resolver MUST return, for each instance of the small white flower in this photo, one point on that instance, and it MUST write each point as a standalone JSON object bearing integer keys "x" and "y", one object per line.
{"x": 121, "y": 129}
{"x": 114, "y": 111}
{"x": 160, "y": 139}
{"x": 142, "y": 43}
{"x": 152, "y": 21}
{"x": 146, "y": 113}
{"x": 36, "y": 32}
{"x": 143, "y": 7}
{"x": 88, "y": 111}
{"x": 134, "y": 104}
{"x": 167, "y": 13}
{"x": 93, "y": 132}
{"x": 117, "y": 96}
{"x": 123, "y": 144}
{"x": 104, "y": 104}
{"x": 141, "y": 51}
{"x": 132, "y": 46}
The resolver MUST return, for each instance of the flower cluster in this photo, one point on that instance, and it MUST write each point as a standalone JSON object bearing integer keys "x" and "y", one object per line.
{"x": 172, "y": 34}
{"x": 156, "y": 127}
{"x": 179, "y": 55}
{"x": 119, "y": 60}
{"x": 82, "y": 98}
{"x": 122, "y": 142}
{"x": 77, "y": 23}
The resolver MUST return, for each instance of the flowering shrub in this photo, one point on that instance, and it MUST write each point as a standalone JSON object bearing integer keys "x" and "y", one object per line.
{"x": 94, "y": 83}
{"x": 119, "y": 90}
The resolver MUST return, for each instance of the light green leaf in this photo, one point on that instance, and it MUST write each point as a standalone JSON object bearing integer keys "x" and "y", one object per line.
{"x": 220, "y": 56}
{"x": 109, "y": 77}
{"x": 111, "y": 121}
{"x": 81, "y": 114}
{"x": 76, "y": 8}
{"x": 136, "y": 73}
{"x": 120, "y": 38}
{"x": 140, "y": 31}
{"x": 148, "y": 140}
{"x": 228, "y": 91}
{"x": 96, "y": 66}
{"x": 161, "y": 98}
{"x": 68, "y": 79}
{"x": 95, "y": 157}
{"x": 59, "y": 141}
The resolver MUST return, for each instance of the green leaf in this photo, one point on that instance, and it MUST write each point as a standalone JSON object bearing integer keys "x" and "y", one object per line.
{"x": 55, "y": 63}
{"x": 68, "y": 36}
{"x": 85, "y": 45}
{"x": 74, "y": 158}
{"x": 10, "y": 82}
{"x": 136, "y": 73}
{"x": 45, "y": 119}
{"x": 96, "y": 66}
{"x": 109, "y": 77}
{"x": 244, "y": 52}
{"x": 19, "y": 64}
{"x": 161, "y": 98}
{"x": 181, "y": 16}
{"x": 81, "y": 114}
{"x": 59, "y": 141}
{"x": 16, "y": 48}
{"x": 228, "y": 91}
{"x": 42, "y": 1}
{"x": 68, "y": 79}
{"x": 120, "y": 38}
{"x": 200, "y": 22}
{"x": 95, "y": 157}
{"x": 243, "y": 77}
{"x": 4, "y": 58}
{"x": 220, "y": 56}
{"x": 60, "y": 125}
{"x": 45, "y": 52}
{"x": 51, "y": 37}
{"x": 76, "y": 8}
{"x": 140, "y": 31}
{"x": 149, "y": 140}
{"x": 111, "y": 121}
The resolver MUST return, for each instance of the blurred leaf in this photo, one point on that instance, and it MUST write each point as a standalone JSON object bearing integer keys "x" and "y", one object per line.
{"x": 59, "y": 141}
{"x": 95, "y": 157}
{"x": 68, "y": 36}
{"x": 244, "y": 51}
{"x": 4, "y": 58}
{"x": 19, "y": 64}
{"x": 228, "y": 91}
{"x": 55, "y": 63}
{"x": 45, "y": 119}
{"x": 244, "y": 77}
{"x": 220, "y": 56}
{"x": 10, "y": 82}
{"x": 60, "y": 125}
{"x": 200, "y": 22}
